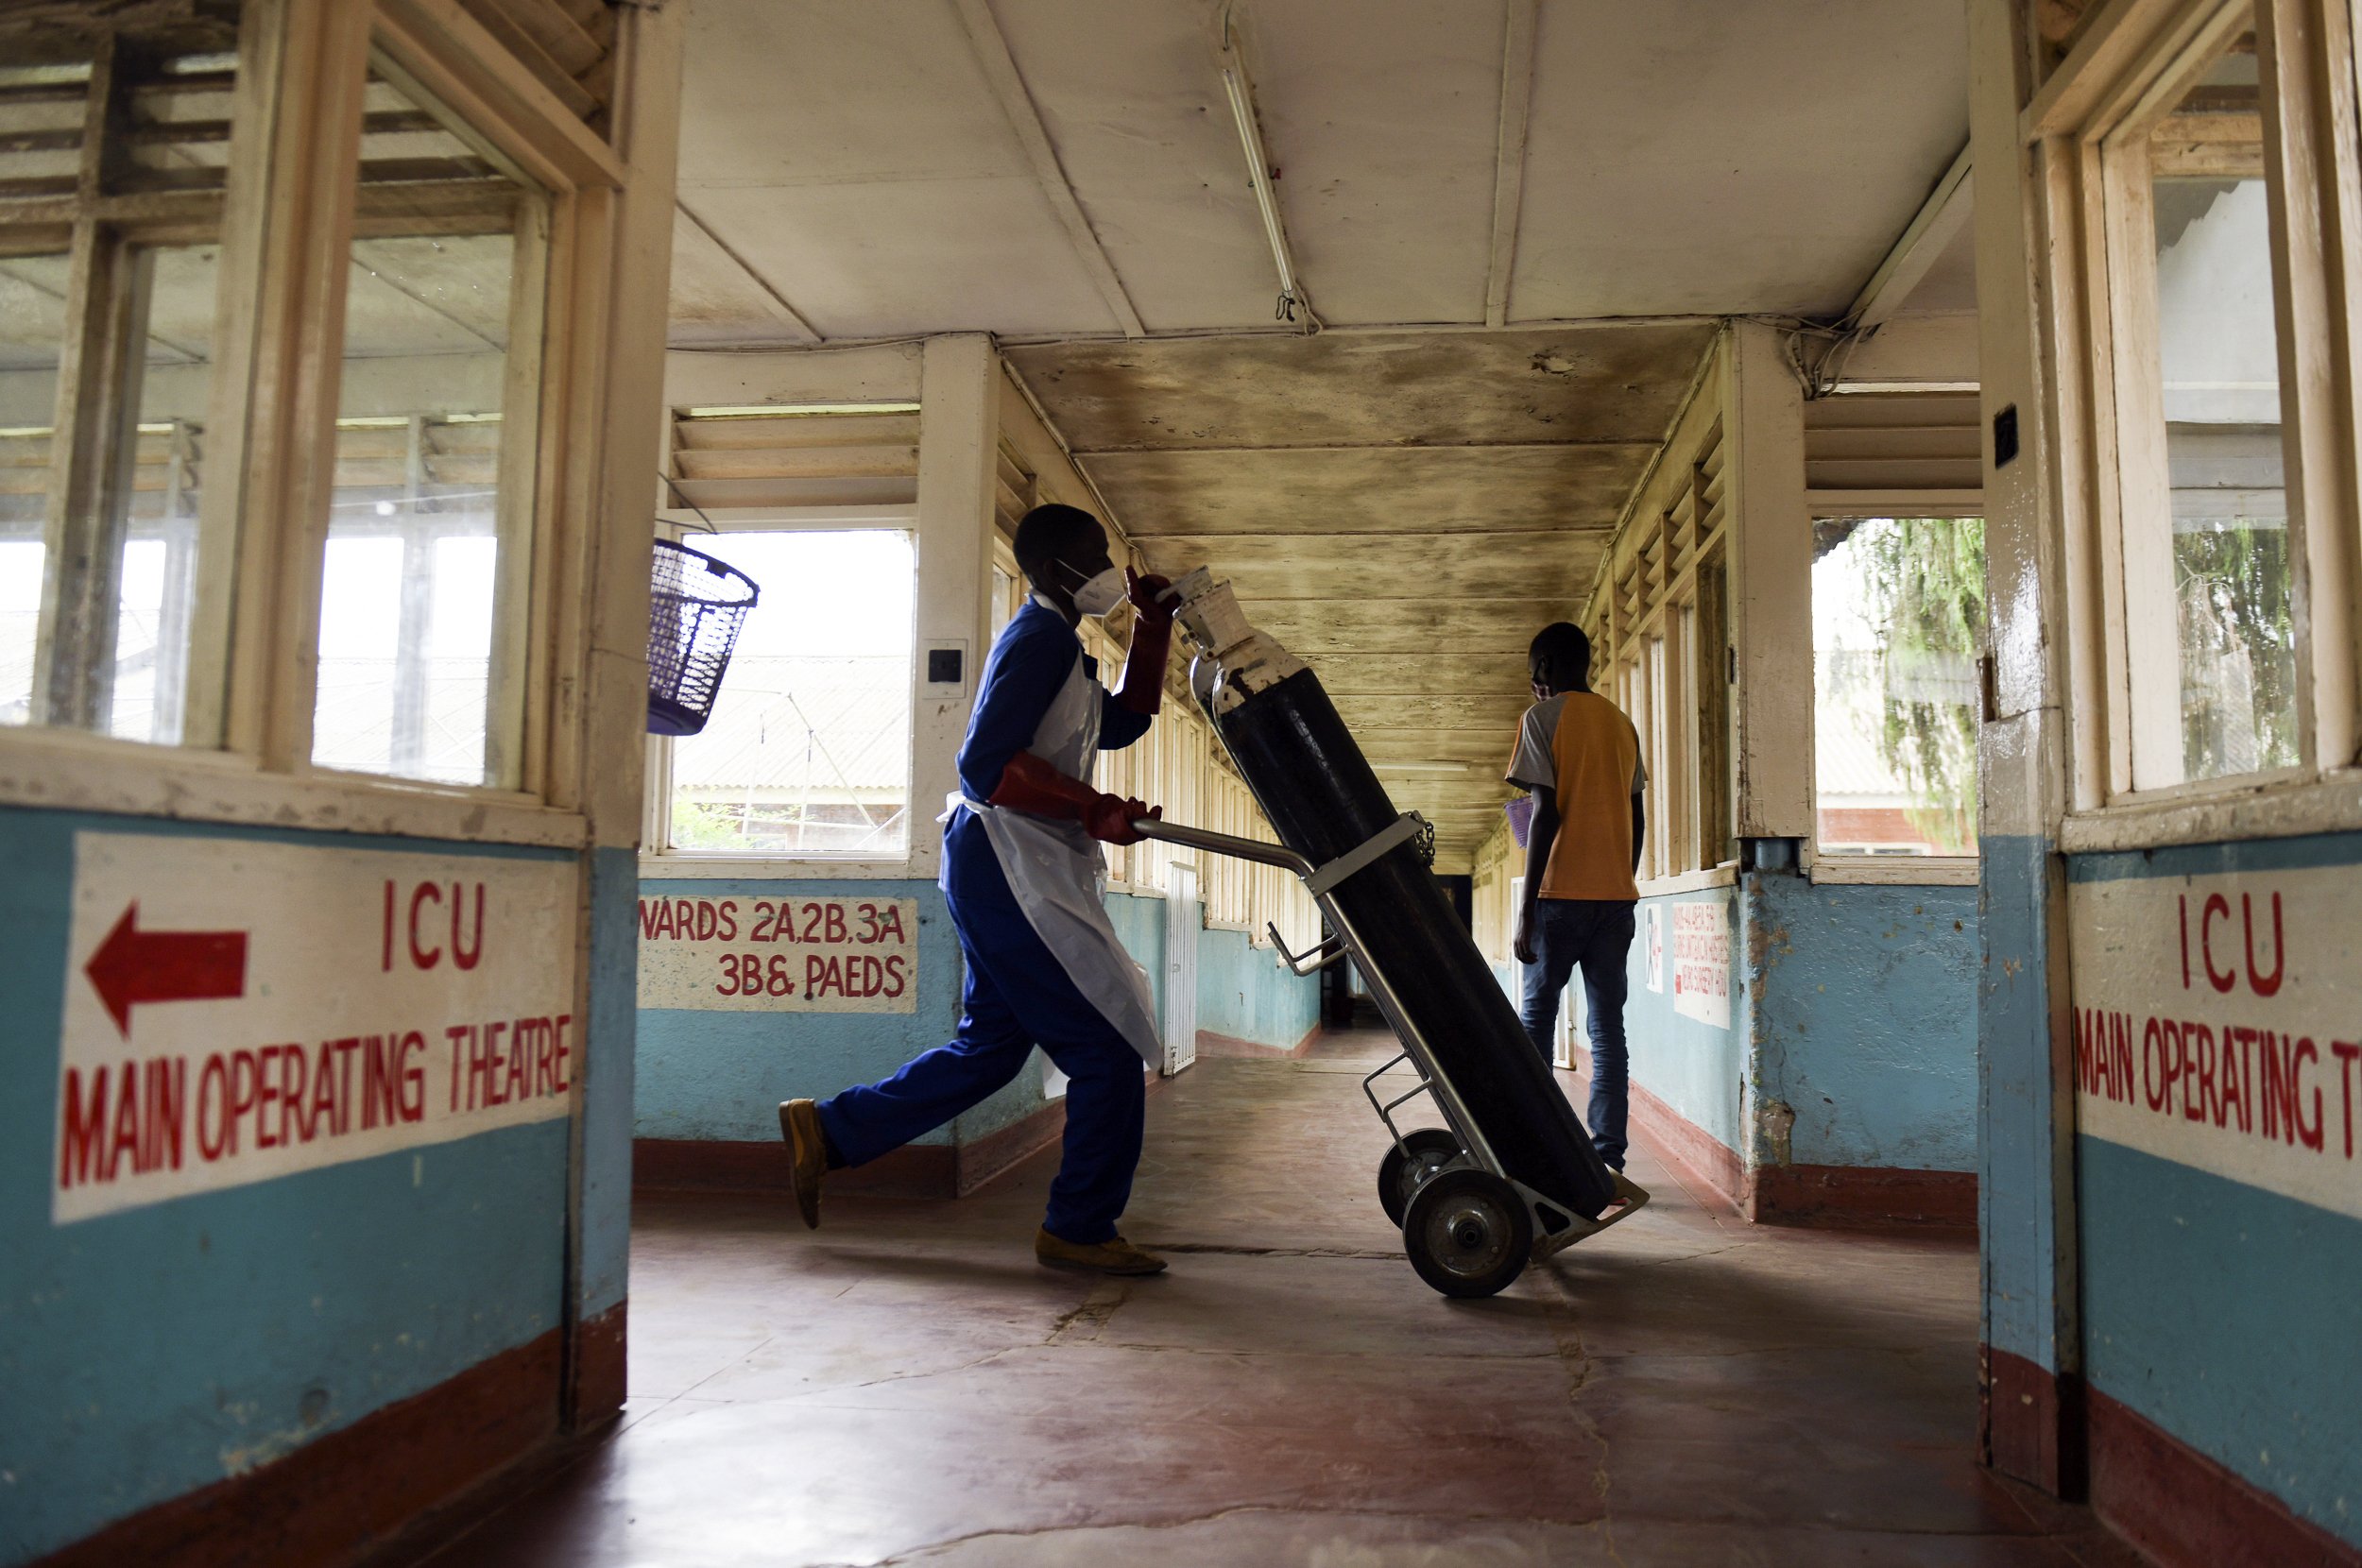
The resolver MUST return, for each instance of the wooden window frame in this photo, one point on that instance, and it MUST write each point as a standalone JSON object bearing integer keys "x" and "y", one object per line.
{"x": 287, "y": 217}
{"x": 657, "y": 859}
{"x": 2085, "y": 133}
{"x": 1652, "y": 644}
{"x": 1887, "y": 870}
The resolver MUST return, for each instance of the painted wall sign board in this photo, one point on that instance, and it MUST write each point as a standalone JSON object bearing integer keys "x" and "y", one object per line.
{"x": 741, "y": 954}
{"x": 2219, "y": 1025}
{"x": 237, "y": 1011}
{"x": 1652, "y": 945}
{"x": 1702, "y": 961}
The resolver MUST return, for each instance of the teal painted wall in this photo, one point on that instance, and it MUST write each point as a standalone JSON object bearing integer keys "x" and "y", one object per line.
{"x": 150, "y": 1351}
{"x": 1140, "y": 924}
{"x": 1855, "y": 1007}
{"x": 1863, "y": 1007}
{"x": 1695, "y": 1067}
{"x": 1244, "y": 990}
{"x": 719, "y": 1077}
{"x": 2224, "y": 1312}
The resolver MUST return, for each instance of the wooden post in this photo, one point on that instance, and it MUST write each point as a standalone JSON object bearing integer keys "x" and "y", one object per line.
{"x": 958, "y": 448}
{"x": 2030, "y": 1339}
{"x": 1770, "y": 534}
{"x": 612, "y": 338}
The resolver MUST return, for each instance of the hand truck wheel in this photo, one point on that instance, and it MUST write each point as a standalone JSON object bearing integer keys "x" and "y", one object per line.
{"x": 1467, "y": 1233}
{"x": 1430, "y": 1149}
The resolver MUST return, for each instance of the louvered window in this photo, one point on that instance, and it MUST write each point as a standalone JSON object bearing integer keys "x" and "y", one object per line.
{"x": 774, "y": 457}
{"x": 1661, "y": 650}
{"x": 1911, "y": 453}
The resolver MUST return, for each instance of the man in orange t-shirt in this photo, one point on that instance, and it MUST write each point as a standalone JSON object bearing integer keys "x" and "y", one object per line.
{"x": 1581, "y": 757}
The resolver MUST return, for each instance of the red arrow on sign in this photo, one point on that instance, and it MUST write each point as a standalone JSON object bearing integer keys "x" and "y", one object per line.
{"x": 134, "y": 966}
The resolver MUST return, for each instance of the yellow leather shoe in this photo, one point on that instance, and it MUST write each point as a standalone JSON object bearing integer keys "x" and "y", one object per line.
{"x": 808, "y": 1150}
{"x": 1118, "y": 1257}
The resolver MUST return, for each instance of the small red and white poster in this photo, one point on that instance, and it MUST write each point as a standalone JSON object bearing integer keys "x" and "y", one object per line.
{"x": 2218, "y": 1024}
{"x": 731, "y": 953}
{"x": 1702, "y": 960}
{"x": 1652, "y": 945}
{"x": 236, "y": 1011}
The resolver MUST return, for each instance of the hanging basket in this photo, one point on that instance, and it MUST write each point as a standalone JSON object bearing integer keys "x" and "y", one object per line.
{"x": 697, "y": 607}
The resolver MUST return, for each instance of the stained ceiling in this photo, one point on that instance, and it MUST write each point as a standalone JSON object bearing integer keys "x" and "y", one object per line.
{"x": 1405, "y": 497}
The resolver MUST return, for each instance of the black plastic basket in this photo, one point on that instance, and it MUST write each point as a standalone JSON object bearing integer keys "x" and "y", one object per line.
{"x": 697, "y": 607}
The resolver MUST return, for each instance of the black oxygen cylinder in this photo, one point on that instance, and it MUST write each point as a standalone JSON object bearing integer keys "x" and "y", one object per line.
{"x": 1322, "y": 797}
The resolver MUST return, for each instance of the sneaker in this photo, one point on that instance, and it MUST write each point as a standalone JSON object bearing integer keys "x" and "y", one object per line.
{"x": 807, "y": 1152}
{"x": 1116, "y": 1257}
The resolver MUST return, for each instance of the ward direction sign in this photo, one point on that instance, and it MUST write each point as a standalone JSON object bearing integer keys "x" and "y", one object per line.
{"x": 239, "y": 1011}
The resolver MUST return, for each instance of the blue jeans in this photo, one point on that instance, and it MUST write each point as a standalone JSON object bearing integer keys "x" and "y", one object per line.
{"x": 1018, "y": 996}
{"x": 1592, "y": 934}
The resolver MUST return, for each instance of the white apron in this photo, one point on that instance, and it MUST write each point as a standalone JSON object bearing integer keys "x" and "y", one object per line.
{"x": 1059, "y": 876}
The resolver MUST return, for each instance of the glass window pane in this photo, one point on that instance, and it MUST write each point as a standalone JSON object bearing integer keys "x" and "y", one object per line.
{"x": 2217, "y": 356}
{"x": 32, "y": 337}
{"x": 114, "y": 652}
{"x": 808, "y": 751}
{"x": 153, "y": 612}
{"x": 411, "y": 672}
{"x": 1897, "y": 607}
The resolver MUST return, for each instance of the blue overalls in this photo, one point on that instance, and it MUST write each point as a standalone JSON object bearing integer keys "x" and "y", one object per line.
{"x": 1011, "y": 879}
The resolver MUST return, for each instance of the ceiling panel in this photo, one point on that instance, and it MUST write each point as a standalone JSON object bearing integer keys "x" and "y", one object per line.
{"x": 913, "y": 256}
{"x": 1344, "y": 491}
{"x": 836, "y": 91}
{"x": 1382, "y": 117}
{"x": 1610, "y": 382}
{"x": 1701, "y": 155}
{"x": 1130, "y": 97}
{"x": 1498, "y": 565}
{"x": 1405, "y": 626}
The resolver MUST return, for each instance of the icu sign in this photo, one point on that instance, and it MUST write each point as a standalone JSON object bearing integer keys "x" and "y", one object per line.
{"x": 237, "y": 1011}
{"x": 2218, "y": 1024}
{"x": 738, "y": 954}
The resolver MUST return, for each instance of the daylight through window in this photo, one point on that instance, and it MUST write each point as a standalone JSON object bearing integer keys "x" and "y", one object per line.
{"x": 808, "y": 751}
{"x": 1897, "y": 607}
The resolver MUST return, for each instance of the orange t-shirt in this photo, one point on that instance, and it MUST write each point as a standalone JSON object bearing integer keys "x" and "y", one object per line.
{"x": 1581, "y": 745}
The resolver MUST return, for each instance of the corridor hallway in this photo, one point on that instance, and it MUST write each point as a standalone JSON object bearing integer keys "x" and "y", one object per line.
{"x": 907, "y": 1385}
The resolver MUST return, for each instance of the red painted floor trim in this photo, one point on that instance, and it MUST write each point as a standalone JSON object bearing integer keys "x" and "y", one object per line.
{"x": 353, "y": 1488}
{"x": 1864, "y": 1198}
{"x": 1212, "y": 1044}
{"x": 2031, "y": 1422}
{"x": 671, "y": 1165}
{"x": 1824, "y": 1196}
{"x": 596, "y": 1380}
{"x": 2182, "y": 1508}
{"x": 1689, "y": 1146}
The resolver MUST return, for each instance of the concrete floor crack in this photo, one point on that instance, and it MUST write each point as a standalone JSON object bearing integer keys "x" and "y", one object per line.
{"x": 1566, "y": 1328}
{"x": 1082, "y": 1325}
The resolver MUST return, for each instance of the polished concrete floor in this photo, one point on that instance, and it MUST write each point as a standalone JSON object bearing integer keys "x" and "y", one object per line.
{"x": 907, "y": 1385}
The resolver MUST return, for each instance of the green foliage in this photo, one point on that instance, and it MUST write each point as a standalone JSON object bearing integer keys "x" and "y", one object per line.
{"x": 2239, "y": 649}
{"x": 1928, "y": 576}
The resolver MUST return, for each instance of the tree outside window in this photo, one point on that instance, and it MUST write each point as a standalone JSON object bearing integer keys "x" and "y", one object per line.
{"x": 1899, "y": 610}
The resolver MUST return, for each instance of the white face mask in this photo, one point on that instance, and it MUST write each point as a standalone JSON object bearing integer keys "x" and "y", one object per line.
{"x": 1101, "y": 593}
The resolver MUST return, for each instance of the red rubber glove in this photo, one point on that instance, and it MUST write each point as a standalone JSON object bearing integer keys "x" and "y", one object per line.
{"x": 1031, "y": 785}
{"x": 1142, "y": 688}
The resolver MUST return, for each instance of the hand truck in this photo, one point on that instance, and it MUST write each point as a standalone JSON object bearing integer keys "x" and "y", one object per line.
{"x": 1469, "y": 1227}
